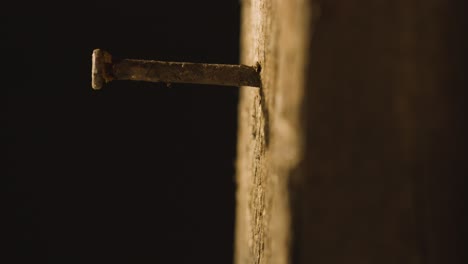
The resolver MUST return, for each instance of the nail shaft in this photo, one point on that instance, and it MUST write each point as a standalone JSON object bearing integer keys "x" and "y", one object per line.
{"x": 105, "y": 70}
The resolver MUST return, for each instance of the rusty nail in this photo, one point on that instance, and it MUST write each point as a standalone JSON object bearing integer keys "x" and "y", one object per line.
{"x": 106, "y": 69}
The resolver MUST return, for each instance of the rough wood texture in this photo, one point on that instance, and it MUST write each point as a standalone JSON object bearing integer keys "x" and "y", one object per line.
{"x": 354, "y": 150}
{"x": 275, "y": 34}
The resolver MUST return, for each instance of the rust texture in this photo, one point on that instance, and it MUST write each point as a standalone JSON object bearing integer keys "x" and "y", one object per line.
{"x": 106, "y": 69}
{"x": 100, "y": 72}
{"x": 186, "y": 72}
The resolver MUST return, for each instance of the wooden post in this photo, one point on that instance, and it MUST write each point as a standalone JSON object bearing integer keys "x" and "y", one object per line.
{"x": 354, "y": 149}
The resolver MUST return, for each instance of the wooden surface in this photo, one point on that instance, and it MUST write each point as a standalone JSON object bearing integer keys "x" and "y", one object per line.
{"x": 275, "y": 34}
{"x": 354, "y": 150}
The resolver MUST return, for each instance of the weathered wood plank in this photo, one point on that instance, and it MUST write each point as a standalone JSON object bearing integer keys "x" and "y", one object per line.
{"x": 270, "y": 148}
{"x": 354, "y": 150}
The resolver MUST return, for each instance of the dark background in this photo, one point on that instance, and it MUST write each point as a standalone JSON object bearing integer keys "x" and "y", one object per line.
{"x": 136, "y": 172}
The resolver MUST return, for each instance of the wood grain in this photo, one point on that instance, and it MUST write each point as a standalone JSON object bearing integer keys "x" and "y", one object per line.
{"x": 354, "y": 150}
